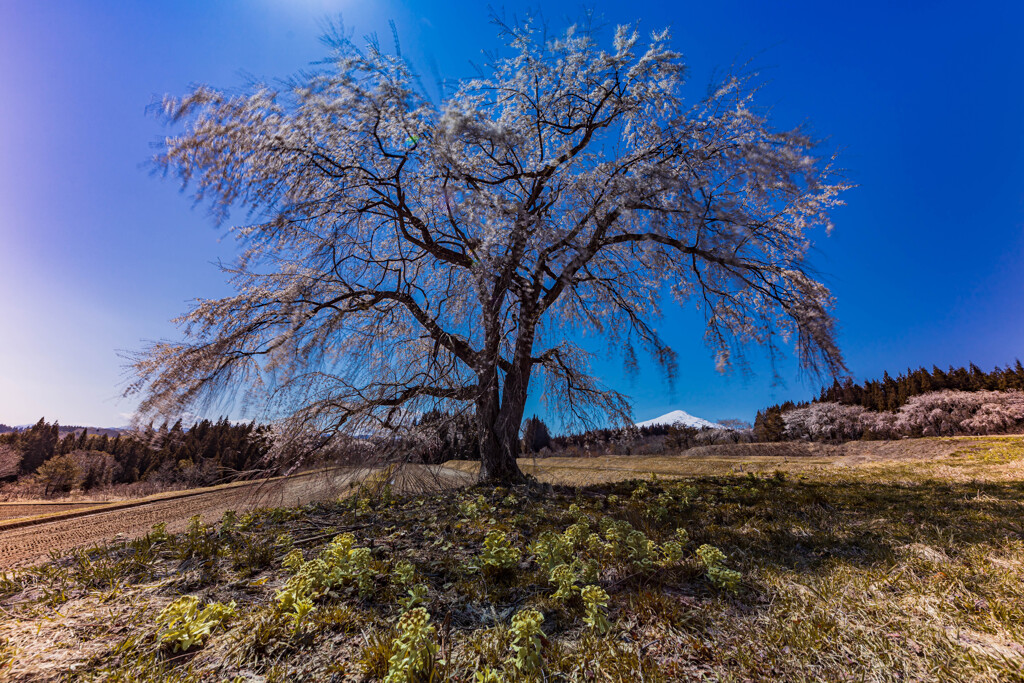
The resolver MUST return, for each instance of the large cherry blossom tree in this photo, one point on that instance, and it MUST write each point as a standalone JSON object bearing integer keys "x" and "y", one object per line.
{"x": 402, "y": 254}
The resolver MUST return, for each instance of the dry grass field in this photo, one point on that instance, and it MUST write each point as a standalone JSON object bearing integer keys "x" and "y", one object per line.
{"x": 948, "y": 458}
{"x": 866, "y": 562}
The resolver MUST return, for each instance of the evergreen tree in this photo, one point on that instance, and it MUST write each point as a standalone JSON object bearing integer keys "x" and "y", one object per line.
{"x": 536, "y": 435}
{"x": 38, "y": 445}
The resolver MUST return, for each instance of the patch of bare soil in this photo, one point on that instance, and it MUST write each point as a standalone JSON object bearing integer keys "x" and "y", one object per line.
{"x": 29, "y": 545}
{"x": 16, "y": 510}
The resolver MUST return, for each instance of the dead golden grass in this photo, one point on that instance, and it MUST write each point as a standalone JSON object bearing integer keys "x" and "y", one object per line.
{"x": 943, "y": 457}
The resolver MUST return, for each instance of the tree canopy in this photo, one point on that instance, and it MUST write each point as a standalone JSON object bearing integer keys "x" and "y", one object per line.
{"x": 403, "y": 254}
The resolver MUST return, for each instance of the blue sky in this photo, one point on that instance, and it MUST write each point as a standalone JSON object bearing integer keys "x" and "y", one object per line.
{"x": 923, "y": 100}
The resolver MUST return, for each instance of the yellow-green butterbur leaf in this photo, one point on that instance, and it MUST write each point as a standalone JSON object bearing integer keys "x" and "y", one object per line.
{"x": 185, "y": 625}
{"x": 526, "y": 644}
{"x": 414, "y": 648}
{"x": 595, "y": 600}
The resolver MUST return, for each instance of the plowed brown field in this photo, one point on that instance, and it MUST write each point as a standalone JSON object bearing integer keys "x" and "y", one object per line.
{"x": 15, "y": 510}
{"x": 27, "y": 545}
{"x": 31, "y": 544}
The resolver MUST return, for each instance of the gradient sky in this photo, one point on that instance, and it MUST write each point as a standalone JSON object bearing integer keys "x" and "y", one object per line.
{"x": 924, "y": 101}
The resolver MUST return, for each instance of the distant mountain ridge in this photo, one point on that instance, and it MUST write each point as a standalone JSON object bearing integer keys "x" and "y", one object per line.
{"x": 69, "y": 429}
{"x": 680, "y": 417}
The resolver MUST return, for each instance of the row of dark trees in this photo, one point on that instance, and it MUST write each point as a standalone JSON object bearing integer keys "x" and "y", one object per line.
{"x": 217, "y": 449}
{"x": 891, "y": 393}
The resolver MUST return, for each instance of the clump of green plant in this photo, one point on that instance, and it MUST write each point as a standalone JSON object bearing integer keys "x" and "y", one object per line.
{"x": 526, "y": 643}
{"x": 299, "y": 610}
{"x": 565, "y": 579}
{"x": 293, "y": 561}
{"x": 576, "y": 535}
{"x": 404, "y": 573}
{"x": 284, "y": 542}
{"x": 550, "y": 550}
{"x": 683, "y": 493}
{"x": 340, "y": 562}
{"x": 588, "y": 570}
{"x": 713, "y": 560}
{"x": 628, "y": 545}
{"x": 159, "y": 533}
{"x": 499, "y": 554}
{"x": 672, "y": 551}
{"x": 228, "y": 522}
{"x": 363, "y": 506}
{"x": 414, "y": 648}
{"x": 595, "y": 600}
{"x": 185, "y": 625}
{"x": 360, "y": 570}
{"x": 417, "y": 595}
{"x": 577, "y": 513}
{"x": 487, "y": 675}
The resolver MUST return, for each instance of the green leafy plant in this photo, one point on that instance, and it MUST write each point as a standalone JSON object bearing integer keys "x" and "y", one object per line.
{"x": 565, "y": 579}
{"x": 293, "y": 561}
{"x": 404, "y": 573}
{"x": 595, "y": 600}
{"x": 527, "y": 643}
{"x": 417, "y": 595}
{"x": 588, "y": 570}
{"x": 487, "y": 675}
{"x": 228, "y": 522}
{"x": 360, "y": 570}
{"x": 713, "y": 560}
{"x": 499, "y": 554}
{"x": 640, "y": 550}
{"x": 710, "y": 556}
{"x": 339, "y": 563}
{"x": 628, "y": 545}
{"x": 576, "y": 535}
{"x": 414, "y": 648}
{"x": 671, "y": 554}
{"x": 185, "y": 625}
{"x": 159, "y": 532}
{"x": 300, "y": 608}
{"x": 474, "y": 509}
{"x": 550, "y": 550}
{"x": 672, "y": 551}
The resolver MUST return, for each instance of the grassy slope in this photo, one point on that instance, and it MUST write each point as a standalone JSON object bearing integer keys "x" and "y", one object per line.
{"x": 906, "y": 569}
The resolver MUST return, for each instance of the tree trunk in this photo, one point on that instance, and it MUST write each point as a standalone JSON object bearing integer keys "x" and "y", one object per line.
{"x": 499, "y": 443}
{"x": 501, "y": 418}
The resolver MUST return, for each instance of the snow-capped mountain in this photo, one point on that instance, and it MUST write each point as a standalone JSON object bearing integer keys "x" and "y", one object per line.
{"x": 680, "y": 417}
